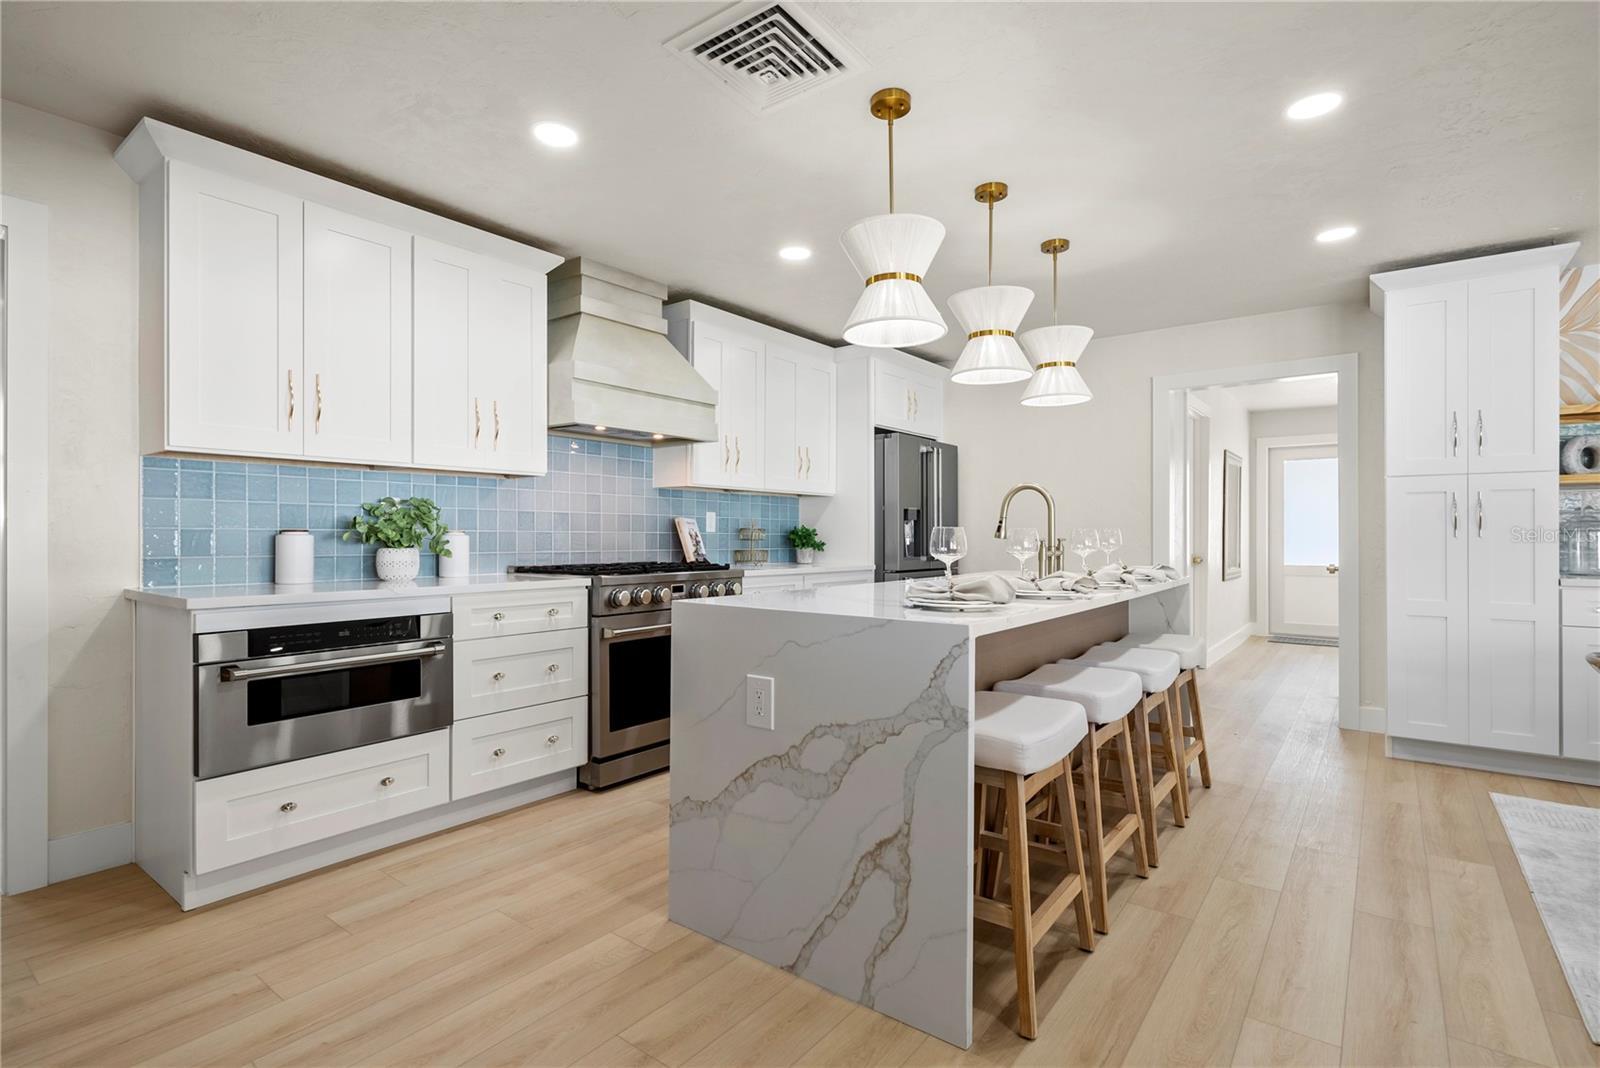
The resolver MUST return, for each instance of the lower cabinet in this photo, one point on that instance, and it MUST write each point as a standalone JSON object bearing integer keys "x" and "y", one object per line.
{"x": 1580, "y": 683}
{"x": 266, "y": 810}
{"x": 498, "y": 674}
{"x": 488, "y": 752}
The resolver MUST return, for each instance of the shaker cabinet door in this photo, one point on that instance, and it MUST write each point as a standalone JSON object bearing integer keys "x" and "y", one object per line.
{"x": 1428, "y": 522}
{"x": 815, "y": 417}
{"x": 509, "y": 339}
{"x": 1512, "y": 372}
{"x": 1427, "y": 415}
{"x": 449, "y": 384}
{"x": 784, "y": 454}
{"x": 1580, "y": 693}
{"x": 235, "y": 375}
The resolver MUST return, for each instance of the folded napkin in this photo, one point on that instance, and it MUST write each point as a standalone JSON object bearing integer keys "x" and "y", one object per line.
{"x": 1112, "y": 575}
{"x": 1068, "y": 580}
{"x": 987, "y": 588}
{"x": 1155, "y": 573}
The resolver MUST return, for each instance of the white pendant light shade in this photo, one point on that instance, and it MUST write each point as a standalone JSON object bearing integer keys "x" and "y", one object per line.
{"x": 1055, "y": 351}
{"x": 891, "y": 253}
{"x": 989, "y": 316}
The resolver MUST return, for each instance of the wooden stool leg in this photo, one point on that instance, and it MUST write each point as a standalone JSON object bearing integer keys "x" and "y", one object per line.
{"x": 1016, "y": 820}
{"x": 1067, "y": 801}
{"x": 1146, "y": 776}
{"x": 1095, "y": 818}
{"x": 1130, "y": 791}
{"x": 1171, "y": 747}
{"x": 993, "y": 810}
{"x": 1199, "y": 729}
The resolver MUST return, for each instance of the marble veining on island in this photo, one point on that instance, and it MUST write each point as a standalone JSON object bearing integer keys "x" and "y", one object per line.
{"x": 836, "y": 845}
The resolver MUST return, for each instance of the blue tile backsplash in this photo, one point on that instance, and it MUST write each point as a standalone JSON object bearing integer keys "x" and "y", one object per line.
{"x": 208, "y": 522}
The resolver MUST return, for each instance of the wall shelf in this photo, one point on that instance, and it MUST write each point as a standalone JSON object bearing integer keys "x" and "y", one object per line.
{"x": 1580, "y": 413}
{"x": 1581, "y": 480}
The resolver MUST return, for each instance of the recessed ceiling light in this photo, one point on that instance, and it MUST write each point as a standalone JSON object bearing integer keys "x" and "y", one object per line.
{"x": 1336, "y": 233}
{"x": 1314, "y": 106}
{"x": 658, "y": 437}
{"x": 794, "y": 253}
{"x": 555, "y": 134}
{"x": 600, "y": 428}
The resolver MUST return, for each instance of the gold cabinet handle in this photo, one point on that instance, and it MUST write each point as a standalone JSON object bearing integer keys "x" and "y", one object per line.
{"x": 808, "y": 461}
{"x": 799, "y": 462}
{"x": 553, "y": 739}
{"x": 724, "y": 452}
{"x": 387, "y": 780}
{"x": 496, "y": 425}
{"x": 288, "y": 806}
{"x": 498, "y": 616}
{"x": 477, "y": 422}
{"x": 498, "y": 753}
{"x": 498, "y": 676}
{"x": 738, "y": 454}
{"x": 291, "y": 398}
{"x": 317, "y": 427}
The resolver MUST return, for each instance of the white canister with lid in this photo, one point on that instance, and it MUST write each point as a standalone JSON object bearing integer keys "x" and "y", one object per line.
{"x": 456, "y": 565}
{"x": 293, "y": 563}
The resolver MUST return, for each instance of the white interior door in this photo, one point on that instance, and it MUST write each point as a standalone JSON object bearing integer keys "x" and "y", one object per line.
{"x": 1303, "y": 541}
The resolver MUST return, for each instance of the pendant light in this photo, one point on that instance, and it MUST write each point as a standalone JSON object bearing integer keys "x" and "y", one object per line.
{"x": 891, "y": 253}
{"x": 990, "y": 315}
{"x": 1055, "y": 349}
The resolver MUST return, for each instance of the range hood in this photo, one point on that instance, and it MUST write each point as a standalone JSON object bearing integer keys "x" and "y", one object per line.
{"x": 613, "y": 373}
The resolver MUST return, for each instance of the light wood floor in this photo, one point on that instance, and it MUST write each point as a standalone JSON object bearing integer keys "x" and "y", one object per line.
{"x": 1325, "y": 905}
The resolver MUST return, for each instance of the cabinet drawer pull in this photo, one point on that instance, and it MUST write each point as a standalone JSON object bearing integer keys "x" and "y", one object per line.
{"x": 498, "y": 676}
{"x": 387, "y": 780}
{"x": 552, "y": 669}
{"x": 288, "y": 806}
{"x": 500, "y": 752}
{"x": 498, "y": 617}
{"x": 553, "y": 739}
{"x": 553, "y": 611}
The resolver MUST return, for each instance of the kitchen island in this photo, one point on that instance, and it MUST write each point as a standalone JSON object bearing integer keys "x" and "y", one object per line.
{"x": 834, "y": 840}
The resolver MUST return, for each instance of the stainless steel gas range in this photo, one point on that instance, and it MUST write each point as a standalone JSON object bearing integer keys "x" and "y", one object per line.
{"x": 630, "y": 658}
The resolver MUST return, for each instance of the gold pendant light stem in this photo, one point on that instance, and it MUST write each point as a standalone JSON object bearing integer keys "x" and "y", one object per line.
{"x": 891, "y": 165}
{"x": 1054, "y": 247}
{"x": 888, "y": 105}
{"x": 991, "y": 244}
{"x": 989, "y": 193}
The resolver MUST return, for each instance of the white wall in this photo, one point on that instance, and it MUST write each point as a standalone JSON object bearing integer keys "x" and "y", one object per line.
{"x": 1229, "y": 605}
{"x": 93, "y": 456}
{"x": 1095, "y": 457}
{"x": 1291, "y": 422}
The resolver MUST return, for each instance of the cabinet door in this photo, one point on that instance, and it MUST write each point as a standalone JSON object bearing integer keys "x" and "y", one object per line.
{"x": 447, "y": 421}
{"x": 927, "y": 405}
{"x": 1512, "y": 373}
{"x": 1580, "y": 693}
{"x": 783, "y": 452}
{"x": 508, "y": 349}
{"x": 741, "y": 411}
{"x": 357, "y": 338}
{"x": 1425, "y": 381}
{"x": 814, "y": 418}
{"x": 235, "y": 368}
{"x": 891, "y": 398}
{"x": 1515, "y": 613}
{"x": 711, "y": 462}
{"x": 1427, "y": 520}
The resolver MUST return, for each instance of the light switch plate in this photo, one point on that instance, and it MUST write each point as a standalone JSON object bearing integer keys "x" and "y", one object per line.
{"x": 760, "y": 698}
{"x": 711, "y": 522}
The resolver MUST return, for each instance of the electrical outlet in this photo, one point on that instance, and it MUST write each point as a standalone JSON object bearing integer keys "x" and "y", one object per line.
{"x": 759, "y": 699}
{"x": 711, "y": 522}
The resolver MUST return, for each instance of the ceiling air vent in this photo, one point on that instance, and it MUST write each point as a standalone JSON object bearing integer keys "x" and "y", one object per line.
{"x": 768, "y": 54}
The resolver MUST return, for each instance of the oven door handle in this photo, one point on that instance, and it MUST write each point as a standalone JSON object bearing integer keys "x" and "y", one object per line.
{"x": 235, "y": 673}
{"x": 607, "y": 633}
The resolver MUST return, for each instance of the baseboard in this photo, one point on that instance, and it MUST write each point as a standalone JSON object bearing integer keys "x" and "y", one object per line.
{"x": 1533, "y": 765}
{"x": 1374, "y": 718}
{"x": 90, "y": 851}
{"x": 1215, "y": 651}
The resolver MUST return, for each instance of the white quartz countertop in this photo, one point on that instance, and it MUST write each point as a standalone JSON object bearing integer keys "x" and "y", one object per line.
{"x": 202, "y": 598}
{"x": 886, "y": 601}
{"x": 803, "y": 569}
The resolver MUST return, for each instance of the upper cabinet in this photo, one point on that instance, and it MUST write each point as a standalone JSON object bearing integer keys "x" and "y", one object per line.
{"x": 775, "y": 407}
{"x": 907, "y": 393}
{"x": 285, "y": 315}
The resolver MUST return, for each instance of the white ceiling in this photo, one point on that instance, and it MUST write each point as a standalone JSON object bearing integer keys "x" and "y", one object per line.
{"x": 1305, "y": 391}
{"x": 1150, "y": 134}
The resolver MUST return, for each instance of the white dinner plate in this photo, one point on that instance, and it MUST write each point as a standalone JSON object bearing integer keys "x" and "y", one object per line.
{"x": 1053, "y": 595}
{"x": 954, "y": 606}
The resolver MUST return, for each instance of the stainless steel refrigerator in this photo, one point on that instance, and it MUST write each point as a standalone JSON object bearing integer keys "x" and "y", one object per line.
{"x": 916, "y": 486}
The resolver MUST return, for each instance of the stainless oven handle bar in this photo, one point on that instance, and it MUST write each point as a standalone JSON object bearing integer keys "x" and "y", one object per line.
{"x": 235, "y": 673}
{"x": 607, "y": 633}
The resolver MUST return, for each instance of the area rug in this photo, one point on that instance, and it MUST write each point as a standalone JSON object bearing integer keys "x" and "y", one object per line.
{"x": 1558, "y": 847}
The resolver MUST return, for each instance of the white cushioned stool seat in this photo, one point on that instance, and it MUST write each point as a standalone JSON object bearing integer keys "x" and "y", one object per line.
{"x": 1157, "y": 669}
{"x": 1017, "y": 733}
{"x": 1191, "y": 648}
{"x": 1105, "y": 694}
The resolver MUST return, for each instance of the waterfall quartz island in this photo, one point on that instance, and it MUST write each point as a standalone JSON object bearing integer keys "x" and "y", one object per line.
{"x": 837, "y": 844}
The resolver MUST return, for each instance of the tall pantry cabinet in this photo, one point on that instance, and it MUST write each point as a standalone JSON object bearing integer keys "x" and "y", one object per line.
{"x": 1470, "y": 444}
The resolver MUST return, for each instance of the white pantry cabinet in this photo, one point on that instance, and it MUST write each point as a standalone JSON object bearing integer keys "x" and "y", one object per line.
{"x": 905, "y": 396}
{"x": 776, "y": 407}
{"x": 277, "y": 312}
{"x": 1470, "y": 399}
{"x": 480, "y": 362}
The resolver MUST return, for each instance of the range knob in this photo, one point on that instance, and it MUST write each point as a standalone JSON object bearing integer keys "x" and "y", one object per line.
{"x": 735, "y": 587}
{"x": 718, "y": 589}
{"x": 619, "y": 598}
{"x": 700, "y": 590}
{"x": 643, "y": 595}
{"x": 663, "y": 594}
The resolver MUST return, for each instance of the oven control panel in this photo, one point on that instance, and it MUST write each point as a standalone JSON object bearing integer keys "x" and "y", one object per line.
{"x": 345, "y": 634}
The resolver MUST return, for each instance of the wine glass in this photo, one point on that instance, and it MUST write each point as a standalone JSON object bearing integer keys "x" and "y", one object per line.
{"x": 1024, "y": 545}
{"x": 1110, "y": 542}
{"x": 1085, "y": 543}
{"x": 947, "y": 545}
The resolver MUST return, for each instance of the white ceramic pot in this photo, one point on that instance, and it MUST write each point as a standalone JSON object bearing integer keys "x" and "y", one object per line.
{"x": 805, "y": 556}
{"x": 458, "y": 564}
{"x": 398, "y": 565}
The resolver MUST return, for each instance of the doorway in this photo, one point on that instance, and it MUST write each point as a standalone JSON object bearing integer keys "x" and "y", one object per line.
{"x": 1302, "y": 558}
{"x": 1197, "y": 488}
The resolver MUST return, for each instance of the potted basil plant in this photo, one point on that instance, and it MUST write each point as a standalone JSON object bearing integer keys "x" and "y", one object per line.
{"x": 806, "y": 544}
{"x": 399, "y": 529}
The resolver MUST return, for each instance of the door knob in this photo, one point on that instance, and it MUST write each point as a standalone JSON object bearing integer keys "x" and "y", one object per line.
{"x": 1197, "y": 559}
{"x": 1333, "y": 569}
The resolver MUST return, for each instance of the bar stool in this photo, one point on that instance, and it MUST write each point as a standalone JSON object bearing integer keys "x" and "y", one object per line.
{"x": 1191, "y": 650}
{"x": 1021, "y": 745}
{"x": 1108, "y": 698}
{"x": 1158, "y": 671}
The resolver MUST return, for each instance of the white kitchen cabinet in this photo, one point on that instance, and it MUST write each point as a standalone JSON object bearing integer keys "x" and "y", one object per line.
{"x": 1580, "y": 692}
{"x": 1428, "y": 607}
{"x": 798, "y": 435}
{"x": 815, "y": 415}
{"x": 1512, "y": 347}
{"x": 505, "y": 748}
{"x": 1425, "y": 391}
{"x": 233, "y": 379}
{"x": 906, "y": 398}
{"x": 357, "y": 339}
{"x": 1513, "y": 616}
{"x": 499, "y": 674}
{"x": 479, "y": 362}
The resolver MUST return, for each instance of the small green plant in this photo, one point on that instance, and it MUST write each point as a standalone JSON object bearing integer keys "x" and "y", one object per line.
{"x": 407, "y": 524}
{"x": 806, "y": 538}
